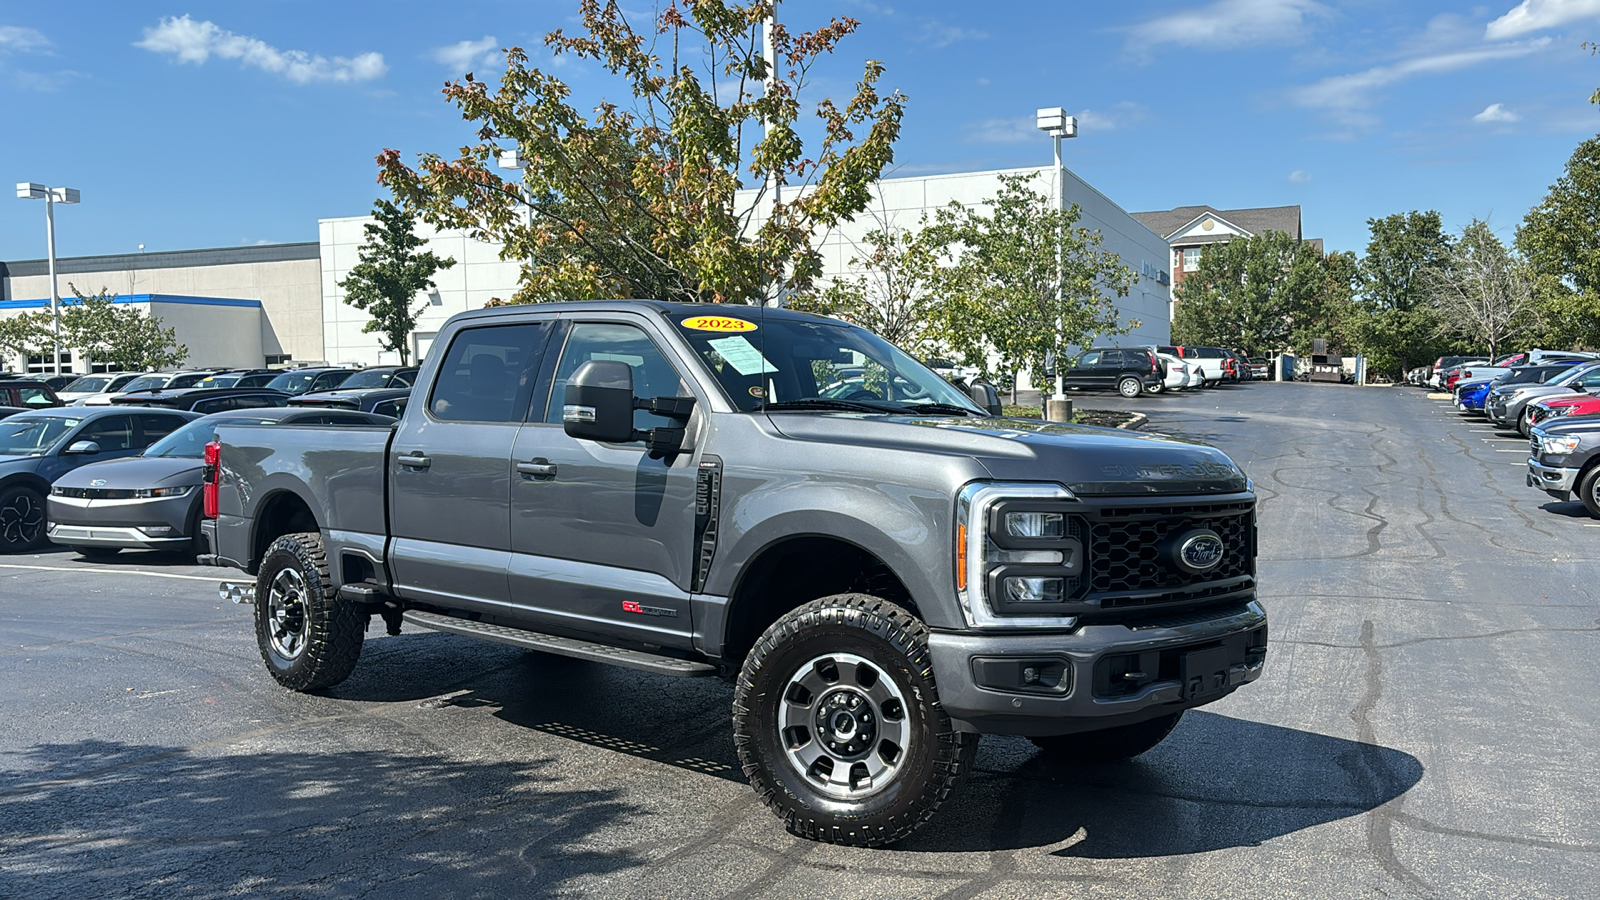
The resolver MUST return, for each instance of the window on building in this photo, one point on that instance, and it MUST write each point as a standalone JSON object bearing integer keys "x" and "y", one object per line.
{"x": 278, "y": 359}
{"x": 1191, "y": 258}
{"x": 43, "y": 364}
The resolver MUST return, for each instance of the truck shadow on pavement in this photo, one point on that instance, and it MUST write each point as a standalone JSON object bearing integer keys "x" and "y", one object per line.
{"x": 1216, "y": 782}
{"x": 110, "y": 819}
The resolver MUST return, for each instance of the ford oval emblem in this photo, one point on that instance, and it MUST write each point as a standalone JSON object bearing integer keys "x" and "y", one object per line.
{"x": 98, "y": 482}
{"x": 1200, "y": 551}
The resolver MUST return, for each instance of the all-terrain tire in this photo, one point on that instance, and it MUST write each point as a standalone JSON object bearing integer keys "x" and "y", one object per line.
{"x": 22, "y": 520}
{"x": 1128, "y": 386}
{"x": 865, "y": 634}
{"x": 308, "y": 639}
{"x": 1589, "y": 491}
{"x": 1110, "y": 744}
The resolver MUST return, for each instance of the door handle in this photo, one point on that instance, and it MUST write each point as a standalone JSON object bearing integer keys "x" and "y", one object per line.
{"x": 414, "y": 461}
{"x": 537, "y": 468}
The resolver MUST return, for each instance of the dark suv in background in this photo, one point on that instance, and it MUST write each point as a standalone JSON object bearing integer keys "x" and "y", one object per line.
{"x": 1130, "y": 371}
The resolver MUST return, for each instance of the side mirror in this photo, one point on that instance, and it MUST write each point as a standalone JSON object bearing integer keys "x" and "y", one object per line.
{"x": 984, "y": 394}
{"x": 86, "y": 448}
{"x": 598, "y": 405}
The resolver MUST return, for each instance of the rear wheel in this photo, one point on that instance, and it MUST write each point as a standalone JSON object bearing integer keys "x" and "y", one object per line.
{"x": 1111, "y": 744}
{"x": 307, "y": 638}
{"x": 1589, "y": 491}
{"x": 22, "y": 520}
{"x": 1159, "y": 388}
{"x": 1128, "y": 386}
{"x": 837, "y": 723}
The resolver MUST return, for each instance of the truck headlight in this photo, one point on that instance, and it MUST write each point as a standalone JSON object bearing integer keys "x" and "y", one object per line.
{"x": 1559, "y": 444}
{"x": 1018, "y": 562}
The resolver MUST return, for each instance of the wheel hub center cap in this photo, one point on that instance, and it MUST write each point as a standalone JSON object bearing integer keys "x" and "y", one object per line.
{"x": 846, "y": 723}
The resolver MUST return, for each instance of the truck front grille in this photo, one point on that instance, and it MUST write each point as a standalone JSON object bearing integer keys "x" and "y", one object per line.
{"x": 1130, "y": 557}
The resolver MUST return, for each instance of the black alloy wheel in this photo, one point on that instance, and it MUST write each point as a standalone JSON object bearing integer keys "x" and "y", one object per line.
{"x": 22, "y": 520}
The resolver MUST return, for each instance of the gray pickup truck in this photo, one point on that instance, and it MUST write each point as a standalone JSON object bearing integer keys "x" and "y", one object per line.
{"x": 884, "y": 569}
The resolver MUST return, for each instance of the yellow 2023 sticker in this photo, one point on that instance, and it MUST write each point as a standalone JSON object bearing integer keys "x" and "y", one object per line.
{"x": 718, "y": 323}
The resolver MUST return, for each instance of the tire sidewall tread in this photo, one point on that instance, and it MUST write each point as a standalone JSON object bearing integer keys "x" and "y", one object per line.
{"x": 892, "y": 638}
{"x": 333, "y": 642}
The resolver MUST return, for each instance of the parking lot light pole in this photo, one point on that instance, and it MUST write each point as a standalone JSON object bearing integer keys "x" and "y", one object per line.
{"x": 28, "y": 190}
{"x": 514, "y": 160}
{"x": 1055, "y": 122}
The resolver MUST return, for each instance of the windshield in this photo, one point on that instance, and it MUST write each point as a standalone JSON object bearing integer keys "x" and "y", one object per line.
{"x": 293, "y": 382}
{"x": 32, "y": 435}
{"x": 147, "y": 382}
{"x": 795, "y": 363}
{"x": 372, "y": 378}
{"x": 189, "y": 442}
{"x": 218, "y": 381}
{"x": 88, "y": 384}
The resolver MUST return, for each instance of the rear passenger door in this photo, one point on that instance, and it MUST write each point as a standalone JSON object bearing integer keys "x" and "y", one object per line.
{"x": 450, "y": 467}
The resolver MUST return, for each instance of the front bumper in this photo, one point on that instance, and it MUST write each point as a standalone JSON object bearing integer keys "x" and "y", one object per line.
{"x": 150, "y": 524}
{"x": 1091, "y": 667}
{"x": 1553, "y": 480}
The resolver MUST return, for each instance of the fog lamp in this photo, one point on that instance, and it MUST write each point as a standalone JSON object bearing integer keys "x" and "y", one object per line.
{"x": 1026, "y": 589}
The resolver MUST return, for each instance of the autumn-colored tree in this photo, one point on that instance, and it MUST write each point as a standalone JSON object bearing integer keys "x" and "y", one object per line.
{"x": 637, "y": 200}
{"x": 1007, "y": 292}
{"x": 389, "y": 275}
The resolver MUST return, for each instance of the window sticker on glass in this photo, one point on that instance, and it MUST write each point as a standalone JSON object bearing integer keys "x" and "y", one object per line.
{"x": 745, "y": 359}
{"x": 719, "y": 323}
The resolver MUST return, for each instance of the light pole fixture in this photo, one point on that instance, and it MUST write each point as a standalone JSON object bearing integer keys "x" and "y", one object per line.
{"x": 1055, "y": 122}
{"x": 28, "y": 190}
{"x": 514, "y": 160}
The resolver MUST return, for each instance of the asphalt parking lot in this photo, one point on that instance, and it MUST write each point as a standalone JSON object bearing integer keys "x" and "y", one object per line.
{"x": 1426, "y": 726}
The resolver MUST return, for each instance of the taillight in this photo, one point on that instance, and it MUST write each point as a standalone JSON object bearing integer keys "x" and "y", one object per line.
{"x": 211, "y": 475}
{"x": 1154, "y": 368}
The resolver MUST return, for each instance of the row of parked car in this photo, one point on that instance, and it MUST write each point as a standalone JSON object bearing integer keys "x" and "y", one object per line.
{"x": 113, "y": 461}
{"x": 1551, "y": 398}
{"x": 1132, "y": 371}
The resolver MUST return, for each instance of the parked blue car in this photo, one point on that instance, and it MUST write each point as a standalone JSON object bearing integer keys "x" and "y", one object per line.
{"x": 40, "y": 446}
{"x": 1473, "y": 395}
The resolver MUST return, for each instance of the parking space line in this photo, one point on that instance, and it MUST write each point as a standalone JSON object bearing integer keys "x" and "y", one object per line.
{"x": 112, "y": 572}
{"x": 1498, "y": 450}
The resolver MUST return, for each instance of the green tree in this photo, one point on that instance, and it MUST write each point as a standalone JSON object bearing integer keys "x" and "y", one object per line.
{"x": 1254, "y": 293}
{"x": 638, "y": 200}
{"x": 1003, "y": 292}
{"x": 126, "y": 337}
{"x": 26, "y": 334}
{"x": 389, "y": 275}
{"x": 893, "y": 291}
{"x": 1560, "y": 240}
{"x": 1396, "y": 325}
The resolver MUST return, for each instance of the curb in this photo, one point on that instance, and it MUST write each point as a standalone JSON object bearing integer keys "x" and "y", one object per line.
{"x": 1438, "y": 396}
{"x": 1138, "y": 421}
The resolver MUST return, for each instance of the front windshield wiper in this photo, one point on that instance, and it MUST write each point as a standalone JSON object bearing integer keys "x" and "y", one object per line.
{"x": 941, "y": 408}
{"x": 830, "y": 403}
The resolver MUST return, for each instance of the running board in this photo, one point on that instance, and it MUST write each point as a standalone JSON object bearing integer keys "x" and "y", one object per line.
{"x": 561, "y": 646}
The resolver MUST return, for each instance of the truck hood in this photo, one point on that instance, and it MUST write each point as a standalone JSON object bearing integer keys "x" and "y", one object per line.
{"x": 1086, "y": 459}
{"x": 136, "y": 472}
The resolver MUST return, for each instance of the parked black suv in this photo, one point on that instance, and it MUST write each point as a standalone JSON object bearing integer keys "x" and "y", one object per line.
{"x": 1130, "y": 371}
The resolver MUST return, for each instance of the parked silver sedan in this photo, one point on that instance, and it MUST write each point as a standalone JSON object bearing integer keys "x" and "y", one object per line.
{"x": 152, "y": 501}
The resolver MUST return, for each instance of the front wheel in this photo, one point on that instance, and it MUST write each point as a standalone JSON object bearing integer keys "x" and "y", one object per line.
{"x": 1525, "y": 422}
{"x": 837, "y": 723}
{"x": 1111, "y": 744}
{"x": 1589, "y": 491}
{"x": 1128, "y": 386}
{"x": 22, "y": 520}
{"x": 308, "y": 639}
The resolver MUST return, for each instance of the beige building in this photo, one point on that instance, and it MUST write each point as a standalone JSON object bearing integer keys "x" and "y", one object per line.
{"x": 237, "y": 306}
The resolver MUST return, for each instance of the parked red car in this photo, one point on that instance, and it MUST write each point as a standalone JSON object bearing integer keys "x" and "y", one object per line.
{"x": 1554, "y": 407}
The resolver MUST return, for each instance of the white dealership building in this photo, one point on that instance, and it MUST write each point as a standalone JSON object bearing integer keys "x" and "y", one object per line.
{"x": 280, "y": 304}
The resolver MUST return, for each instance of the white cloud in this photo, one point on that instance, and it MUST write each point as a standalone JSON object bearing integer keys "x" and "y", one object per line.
{"x": 23, "y": 40}
{"x": 1348, "y": 95}
{"x": 1299, "y": 176}
{"x": 195, "y": 42}
{"x": 1496, "y": 112}
{"x": 1230, "y": 23}
{"x": 936, "y": 34}
{"x": 1122, "y": 115}
{"x": 1003, "y": 131}
{"x": 466, "y": 55}
{"x": 1536, "y": 15}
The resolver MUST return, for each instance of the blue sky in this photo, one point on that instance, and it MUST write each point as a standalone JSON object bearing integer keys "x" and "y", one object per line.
{"x": 224, "y": 124}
